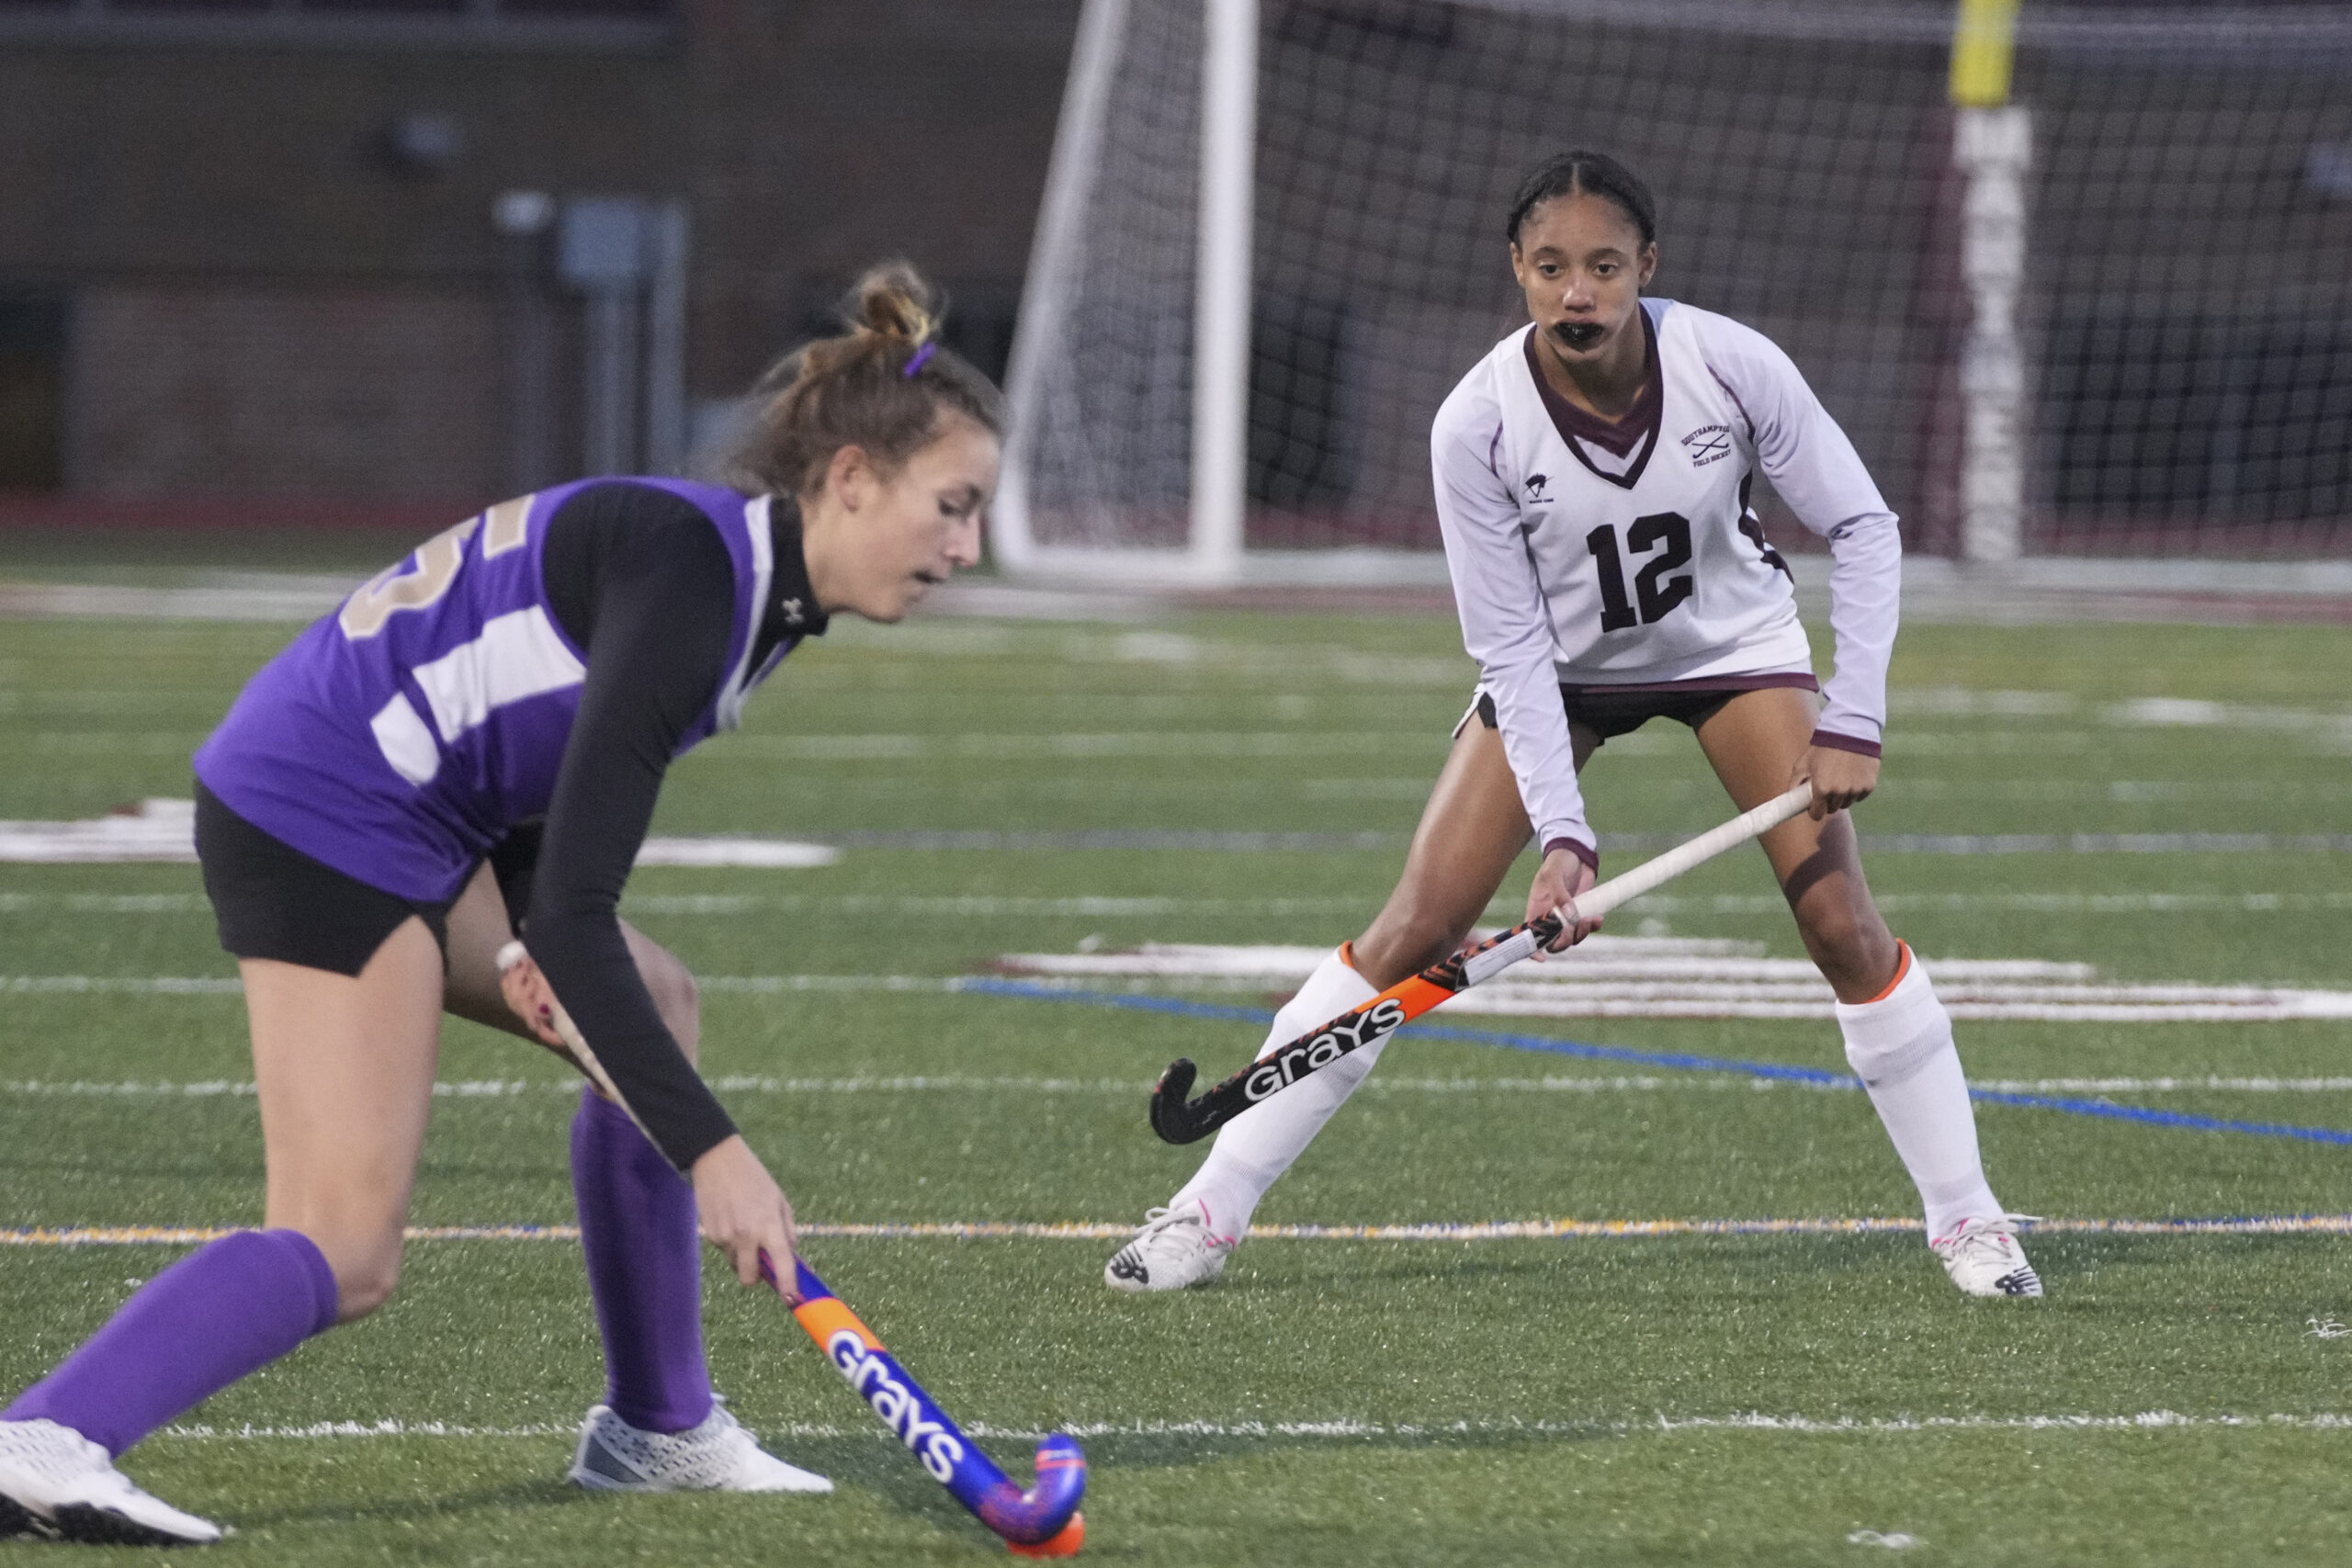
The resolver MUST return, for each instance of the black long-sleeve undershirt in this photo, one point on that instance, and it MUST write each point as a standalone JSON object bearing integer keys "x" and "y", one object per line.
{"x": 639, "y": 579}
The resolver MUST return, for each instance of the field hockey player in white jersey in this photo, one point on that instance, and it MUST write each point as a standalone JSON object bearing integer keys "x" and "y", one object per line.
{"x": 1593, "y": 476}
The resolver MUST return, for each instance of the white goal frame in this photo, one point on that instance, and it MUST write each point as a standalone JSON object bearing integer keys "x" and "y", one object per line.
{"x": 1992, "y": 153}
{"x": 1214, "y": 555}
{"x": 1220, "y": 307}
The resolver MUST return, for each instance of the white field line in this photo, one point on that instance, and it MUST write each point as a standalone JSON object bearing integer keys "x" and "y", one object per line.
{"x": 1056, "y": 745}
{"x": 1664, "y": 977}
{"x": 294, "y": 600}
{"x": 2012, "y": 903}
{"x": 162, "y": 830}
{"x": 2274, "y": 1007}
{"x": 221, "y": 985}
{"x": 130, "y": 840}
{"x": 1118, "y": 907}
{"x": 2141, "y": 713}
{"x": 769, "y": 855}
{"x": 1348, "y": 1428}
{"x": 773, "y": 985}
{"x": 1602, "y": 957}
{"x": 124, "y": 984}
{"x": 1599, "y": 998}
{"x": 747, "y": 1084}
{"x": 1353, "y": 666}
{"x": 103, "y": 904}
{"x": 977, "y": 906}
{"x": 161, "y": 833}
{"x": 1101, "y": 1230}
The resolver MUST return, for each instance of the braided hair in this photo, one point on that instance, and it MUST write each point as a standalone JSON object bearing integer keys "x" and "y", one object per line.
{"x": 1589, "y": 173}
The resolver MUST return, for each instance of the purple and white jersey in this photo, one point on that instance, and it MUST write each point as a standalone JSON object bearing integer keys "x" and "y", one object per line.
{"x": 400, "y": 738}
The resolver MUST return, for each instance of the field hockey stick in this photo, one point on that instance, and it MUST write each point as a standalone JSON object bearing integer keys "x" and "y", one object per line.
{"x": 1178, "y": 1121}
{"x": 575, "y": 1048}
{"x": 1042, "y": 1522}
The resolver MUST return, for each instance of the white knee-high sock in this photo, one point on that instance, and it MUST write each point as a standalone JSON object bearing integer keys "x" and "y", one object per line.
{"x": 1257, "y": 1145}
{"x": 1900, "y": 1045}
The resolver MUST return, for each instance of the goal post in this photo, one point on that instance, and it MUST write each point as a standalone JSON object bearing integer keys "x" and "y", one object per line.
{"x": 2071, "y": 275}
{"x": 1042, "y": 380}
{"x": 1037, "y": 378}
{"x": 1222, "y": 301}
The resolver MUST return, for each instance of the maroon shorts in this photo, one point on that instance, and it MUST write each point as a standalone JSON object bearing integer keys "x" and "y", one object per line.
{"x": 1621, "y": 710}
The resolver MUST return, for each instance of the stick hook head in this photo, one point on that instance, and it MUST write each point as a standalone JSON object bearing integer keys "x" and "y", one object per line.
{"x": 1175, "y": 1120}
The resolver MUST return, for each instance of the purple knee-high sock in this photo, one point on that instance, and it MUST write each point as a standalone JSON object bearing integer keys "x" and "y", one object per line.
{"x": 636, "y": 1225}
{"x": 216, "y": 1315}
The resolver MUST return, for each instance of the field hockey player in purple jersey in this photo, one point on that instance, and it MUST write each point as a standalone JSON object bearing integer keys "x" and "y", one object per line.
{"x": 469, "y": 748}
{"x": 1592, "y": 478}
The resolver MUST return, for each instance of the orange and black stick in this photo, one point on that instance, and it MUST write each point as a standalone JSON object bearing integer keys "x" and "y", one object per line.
{"x": 1179, "y": 1121}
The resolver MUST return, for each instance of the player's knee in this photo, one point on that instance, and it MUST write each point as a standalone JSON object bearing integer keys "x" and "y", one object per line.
{"x": 676, "y": 996}
{"x": 682, "y": 1002}
{"x": 1849, "y": 950}
{"x": 365, "y": 1278}
{"x": 1407, "y": 941}
{"x": 1433, "y": 935}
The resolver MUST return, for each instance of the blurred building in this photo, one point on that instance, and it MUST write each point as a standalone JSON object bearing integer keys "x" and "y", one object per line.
{"x": 377, "y": 260}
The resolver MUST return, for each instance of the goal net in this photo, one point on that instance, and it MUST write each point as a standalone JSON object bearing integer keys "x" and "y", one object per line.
{"x": 2178, "y": 359}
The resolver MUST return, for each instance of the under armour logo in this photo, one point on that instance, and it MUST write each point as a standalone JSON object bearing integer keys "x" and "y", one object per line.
{"x": 791, "y": 608}
{"x": 1708, "y": 443}
{"x": 1535, "y": 483}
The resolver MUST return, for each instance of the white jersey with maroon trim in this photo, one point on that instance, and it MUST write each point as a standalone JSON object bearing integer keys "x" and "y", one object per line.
{"x": 1589, "y": 552}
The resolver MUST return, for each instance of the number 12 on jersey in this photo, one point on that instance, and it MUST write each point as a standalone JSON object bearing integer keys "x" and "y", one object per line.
{"x": 1655, "y": 592}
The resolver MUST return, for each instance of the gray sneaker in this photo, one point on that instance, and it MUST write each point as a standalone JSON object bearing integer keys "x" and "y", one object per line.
{"x": 717, "y": 1456}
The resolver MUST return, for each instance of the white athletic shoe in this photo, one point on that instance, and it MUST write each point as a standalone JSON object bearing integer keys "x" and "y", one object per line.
{"x": 56, "y": 1483}
{"x": 717, "y": 1456}
{"x": 1174, "y": 1248}
{"x": 1984, "y": 1258}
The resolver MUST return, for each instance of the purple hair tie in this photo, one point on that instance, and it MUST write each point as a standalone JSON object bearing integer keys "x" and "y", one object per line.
{"x": 921, "y": 357}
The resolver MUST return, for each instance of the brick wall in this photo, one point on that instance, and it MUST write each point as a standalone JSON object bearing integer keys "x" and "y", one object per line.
{"x": 827, "y": 136}
{"x": 270, "y": 163}
{"x": 263, "y": 302}
{"x": 364, "y": 393}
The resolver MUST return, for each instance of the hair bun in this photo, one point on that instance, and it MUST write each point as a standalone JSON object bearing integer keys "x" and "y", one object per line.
{"x": 894, "y": 301}
{"x": 884, "y": 385}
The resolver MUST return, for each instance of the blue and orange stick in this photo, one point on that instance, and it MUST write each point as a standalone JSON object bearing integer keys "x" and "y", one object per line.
{"x": 1041, "y": 1522}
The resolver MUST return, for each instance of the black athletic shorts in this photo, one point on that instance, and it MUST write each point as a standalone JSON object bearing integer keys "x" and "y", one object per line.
{"x": 1621, "y": 710}
{"x": 270, "y": 900}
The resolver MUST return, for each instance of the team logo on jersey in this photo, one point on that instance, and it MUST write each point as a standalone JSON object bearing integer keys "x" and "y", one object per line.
{"x": 1708, "y": 443}
{"x": 1535, "y": 483}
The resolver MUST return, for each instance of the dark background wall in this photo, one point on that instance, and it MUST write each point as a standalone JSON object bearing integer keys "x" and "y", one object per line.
{"x": 224, "y": 275}
{"x": 826, "y": 136}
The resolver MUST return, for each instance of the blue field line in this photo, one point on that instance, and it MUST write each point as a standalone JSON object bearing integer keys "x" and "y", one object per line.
{"x": 2163, "y": 1118}
{"x": 1678, "y": 1061}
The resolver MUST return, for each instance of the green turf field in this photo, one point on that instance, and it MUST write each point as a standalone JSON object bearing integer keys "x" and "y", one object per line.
{"x": 1701, "y": 1399}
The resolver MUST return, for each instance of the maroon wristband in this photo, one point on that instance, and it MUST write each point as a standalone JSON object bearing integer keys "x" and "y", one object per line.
{"x": 1845, "y": 743}
{"x": 1585, "y": 852}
